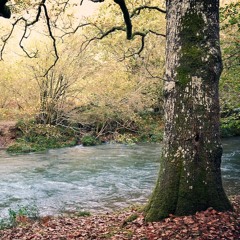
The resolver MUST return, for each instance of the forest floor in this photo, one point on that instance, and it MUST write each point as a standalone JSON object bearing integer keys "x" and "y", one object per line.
{"x": 7, "y": 133}
{"x": 130, "y": 224}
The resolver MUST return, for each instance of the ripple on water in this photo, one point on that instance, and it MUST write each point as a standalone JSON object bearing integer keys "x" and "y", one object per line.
{"x": 101, "y": 178}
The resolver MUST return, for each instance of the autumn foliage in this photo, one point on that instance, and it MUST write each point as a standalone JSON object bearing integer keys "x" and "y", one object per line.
{"x": 205, "y": 225}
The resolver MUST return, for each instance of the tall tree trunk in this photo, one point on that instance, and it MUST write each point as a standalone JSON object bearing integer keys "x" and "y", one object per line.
{"x": 190, "y": 174}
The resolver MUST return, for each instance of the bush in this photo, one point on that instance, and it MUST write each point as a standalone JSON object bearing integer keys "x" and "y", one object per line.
{"x": 83, "y": 214}
{"x": 89, "y": 141}
{"x": 126, "y": 138}
{"x": 150, "y": 128}
{"x": 22, "y": 215}
{"x": 230, "y": 126}
{"x": 34, "y": 137}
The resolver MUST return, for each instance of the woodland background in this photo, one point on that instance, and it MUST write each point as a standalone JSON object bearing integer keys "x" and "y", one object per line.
{"x": 100, "y": 88}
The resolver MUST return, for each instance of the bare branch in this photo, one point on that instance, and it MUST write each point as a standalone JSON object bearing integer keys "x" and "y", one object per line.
{"x": 95, "y": 1}
{"x": 103, "y": 34}
{"x": 52, "y": 37}
{"x": 156, "y": 33}
{"x": 5, "y": 40}
{"x": 38, "y": 14}
{"x": 127, "y": 19}
{"x": 25, "y": 34}
{"x": 137, "y": 10}
{"x": 125, "y": 13}
{"x": 75, "y": 29}
{"x": 138, "y": 52}
{"x": 30, "y": 55}
{"x": 152, "y": 76}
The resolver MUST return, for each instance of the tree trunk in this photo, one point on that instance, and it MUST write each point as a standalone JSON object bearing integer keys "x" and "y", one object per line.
{"x": 190, "y": 174}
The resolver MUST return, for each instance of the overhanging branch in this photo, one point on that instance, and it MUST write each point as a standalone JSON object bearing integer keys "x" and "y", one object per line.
{"x": 126, "y": 16}
{"x": 103, "y": 35}
{"x": 25, "y": 35}
{"x": 52, "y": 37}
{"x": 125, "y": 13}
{"x": 137, "y": 10}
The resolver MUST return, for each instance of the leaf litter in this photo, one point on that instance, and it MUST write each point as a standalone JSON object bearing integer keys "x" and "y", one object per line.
{"x": 130, "y": 224}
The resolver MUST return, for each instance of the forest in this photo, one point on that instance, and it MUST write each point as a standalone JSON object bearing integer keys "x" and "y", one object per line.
{"x": 79, "y": 104}
{"x": 92, "y": 73}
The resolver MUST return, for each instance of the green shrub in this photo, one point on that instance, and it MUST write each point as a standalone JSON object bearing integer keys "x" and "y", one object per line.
{"x": 19, "y": 216}
{"x": 83, "y": 214}
{"x": 230, "y": 126}
{"x": 34, "y": 137}
{"x": 89, "y": 141}
{"x": 150, "y": 128}
{"x": 126, "y": 138}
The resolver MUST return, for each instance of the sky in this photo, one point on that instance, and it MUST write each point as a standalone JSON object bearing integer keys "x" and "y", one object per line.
{"x": 88, "y": 8}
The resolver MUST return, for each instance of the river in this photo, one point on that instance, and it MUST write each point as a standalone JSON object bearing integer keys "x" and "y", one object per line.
{"x": 96, "y": 179}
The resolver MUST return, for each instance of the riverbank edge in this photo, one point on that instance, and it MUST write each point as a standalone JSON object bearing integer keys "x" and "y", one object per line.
{"x": 15, "y": 142}
{"x": 130, "y": 224}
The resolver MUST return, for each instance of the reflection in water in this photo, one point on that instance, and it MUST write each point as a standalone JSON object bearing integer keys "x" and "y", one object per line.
{"x": 101, "y": 178}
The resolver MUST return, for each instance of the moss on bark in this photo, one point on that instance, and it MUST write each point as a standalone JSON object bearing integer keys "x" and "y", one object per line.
{"x": 193, "y": 47}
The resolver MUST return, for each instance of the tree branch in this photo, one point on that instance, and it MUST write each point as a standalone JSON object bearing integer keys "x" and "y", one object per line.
{"x": 137, "y": 10}
{"x": 26, "y": 28}
{"x": 126, "y": 16}
{"x": 52, "y": 37}
{"x": 103, "y": 34}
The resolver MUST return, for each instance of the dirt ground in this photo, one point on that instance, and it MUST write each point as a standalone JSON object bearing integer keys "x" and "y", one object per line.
{"x": 7, "y": 133}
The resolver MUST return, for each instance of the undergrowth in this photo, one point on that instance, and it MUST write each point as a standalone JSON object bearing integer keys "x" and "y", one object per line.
{"x": 21, "y": 215}
{"x": 34, "y": 137}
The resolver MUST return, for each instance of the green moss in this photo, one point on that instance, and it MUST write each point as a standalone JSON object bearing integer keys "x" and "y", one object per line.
{"x": 194, "y": 193}
{"x": 193, "y": 48}
{"x": 165, "y": 195}
{"x": 184, "y": 189}
{"x": 130, "y": 219}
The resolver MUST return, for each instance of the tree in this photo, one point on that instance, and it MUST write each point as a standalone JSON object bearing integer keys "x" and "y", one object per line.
{"x": 190, "y": 174}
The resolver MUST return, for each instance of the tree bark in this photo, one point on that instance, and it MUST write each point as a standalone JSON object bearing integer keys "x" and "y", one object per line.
{"x": 190, "y": 174}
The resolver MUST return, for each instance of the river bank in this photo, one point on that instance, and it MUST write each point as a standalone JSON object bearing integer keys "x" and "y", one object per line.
{"x": 7, "y": 133}
{"x": 28, "y": 136}
{"x": 130, "y": 224}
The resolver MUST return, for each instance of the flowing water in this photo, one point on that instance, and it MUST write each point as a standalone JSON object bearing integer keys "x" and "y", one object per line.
{"x": 96, "y": 179}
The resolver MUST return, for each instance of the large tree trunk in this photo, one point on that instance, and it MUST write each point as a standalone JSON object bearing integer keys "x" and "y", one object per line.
{"x": 190, "y": 174}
